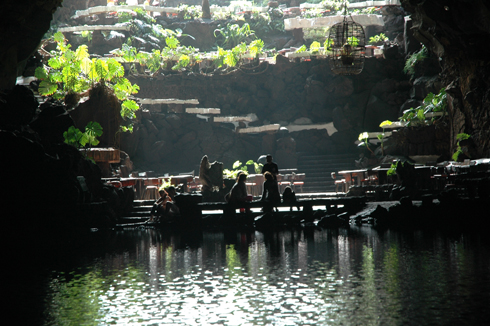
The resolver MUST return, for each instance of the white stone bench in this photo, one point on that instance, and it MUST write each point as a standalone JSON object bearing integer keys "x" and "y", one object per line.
{"x": 328, "y": 126}
{"x": 152, "y": 101}
{"x": 237, "y": 119}
{"x": 255, "y": 130}
{"x": 94, "y": 28}
{"x": 203, "y": 110}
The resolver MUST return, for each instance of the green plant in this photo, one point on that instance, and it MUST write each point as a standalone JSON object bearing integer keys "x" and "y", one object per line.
{"x": 256, "y": 166}
{"x": 256, "y": 47}
{"x": 238, "y": 167}
{"x": 301, "y": 49}
{"x": 392, "y": 170}
{"x": 312, "y": 13}
{"x": 431, "y": 103}
{"x": 377, "y": 39}
{"x": 332, "y": 5}
{"x": 382, "y": 136}
{"x": 363, "y": 138}
{"x": 189, "y": 12}
{"x": 165, "y": 184}
{"x": 414, "y": 59}
{"x": 353, "y": 41}
{"x": 316, "y": 34}
{"x": 72, "y": 72}
{"x": 87, "y": 35}
{"x": 231, "y": 35}
{"x": 364, "y": 11}
{"x": 265, "y": 23}
{"x": 183, "y": 62}
{"x": 435, "y": 103}
{"x": 315, "y": 47}
{"x": 73, "y": 136}
{"x": 459, "y": 149}
{"x": 327, "y": 45}
{"x": 124, "y": 16}
{"x": 232, "y": 57}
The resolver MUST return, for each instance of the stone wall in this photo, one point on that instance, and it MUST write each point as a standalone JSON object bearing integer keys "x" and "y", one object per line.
{"x": 166, "y": 139}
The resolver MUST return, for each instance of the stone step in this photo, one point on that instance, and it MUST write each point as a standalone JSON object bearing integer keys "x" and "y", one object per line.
{"x": 137, "y": 215}
{"x": 318, "y": 170}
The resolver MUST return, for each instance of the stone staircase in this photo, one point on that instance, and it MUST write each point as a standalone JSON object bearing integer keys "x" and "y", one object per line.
{"x": 139, "y": 214}
{"x": 318, "y": 169}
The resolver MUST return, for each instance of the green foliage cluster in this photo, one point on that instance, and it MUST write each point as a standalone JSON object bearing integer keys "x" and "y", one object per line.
{"x": 414, "y": 59}
{"x": 377, "y": 39}
{"x": 316, "y": 34}
{"x": 230, "y": 35}
{"x": 71, "y": 72}
{"x": 189, "y": 12}
{"x": 232, "y": 57}
{"x": 392, "y": 170}
{"x": 459, "y": 149}
{"x": 157, "y": 59}
{"x": 73, "y": 136}
{"x": 431, "y": 103}
{"x": 313, "y": 13}
{"x": 265, "y": 23}
{"x": 143, "y": 26}
{"x": 364, "y": 11}
{"x": 239, "y": 167}
{"x": 301, "y": 49}
{"x": 353, "y": 41}
{"x": 187, "y": 57}
{"x": 333, "y": 5}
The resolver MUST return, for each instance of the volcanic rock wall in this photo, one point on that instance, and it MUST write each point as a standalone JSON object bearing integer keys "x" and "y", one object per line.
{"x": 458, "y": 32}
{"x": 166, "y": 139}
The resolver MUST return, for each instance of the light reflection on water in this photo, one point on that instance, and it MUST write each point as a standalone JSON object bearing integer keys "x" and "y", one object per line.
{"x": 315, "y": 277}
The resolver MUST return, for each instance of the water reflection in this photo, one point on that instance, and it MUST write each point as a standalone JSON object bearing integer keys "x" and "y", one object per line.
{"x": 294, "y": 277}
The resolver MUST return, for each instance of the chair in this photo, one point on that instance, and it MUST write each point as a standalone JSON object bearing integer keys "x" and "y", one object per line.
{"x": 151, "y": 192}
{"x": 151, "y": 188}
{"x": 194, "y": 185}
{"x": 298, "y": 184}
{"x": 342, "y": 185}
{"x": 251, "y": 188}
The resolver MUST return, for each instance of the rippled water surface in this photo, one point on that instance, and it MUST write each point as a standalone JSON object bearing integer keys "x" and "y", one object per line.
{"x": 302, "y": 277}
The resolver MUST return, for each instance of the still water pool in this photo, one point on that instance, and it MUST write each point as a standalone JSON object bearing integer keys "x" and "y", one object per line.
{"x": 358, "y": 276}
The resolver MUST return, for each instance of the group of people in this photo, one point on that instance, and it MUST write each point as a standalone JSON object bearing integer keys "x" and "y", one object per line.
{"x": 165, "y": 207}
{"x": 270, "y": 191}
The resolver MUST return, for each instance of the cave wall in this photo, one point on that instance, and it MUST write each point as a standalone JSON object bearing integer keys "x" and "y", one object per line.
{"x": 458, "y": 33}
{"x": 22, "y": 26}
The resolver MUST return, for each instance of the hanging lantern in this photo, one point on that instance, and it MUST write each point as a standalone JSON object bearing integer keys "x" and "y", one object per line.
{"x": 346, "y": 43}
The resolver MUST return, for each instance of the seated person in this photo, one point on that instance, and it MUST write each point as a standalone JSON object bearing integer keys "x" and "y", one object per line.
{"x": 164, "y": 206}
{"x": 270, "y": 192}
{"x": 238, "y": 193}
{"x": 171, "y": 191}
{"x": 289, "y": 197}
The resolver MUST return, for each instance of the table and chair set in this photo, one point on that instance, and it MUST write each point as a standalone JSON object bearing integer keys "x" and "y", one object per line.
{"x": 146, "y": 186}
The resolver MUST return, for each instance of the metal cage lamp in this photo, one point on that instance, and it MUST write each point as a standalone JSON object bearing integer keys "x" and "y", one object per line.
{"x": 346, "y": 48}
